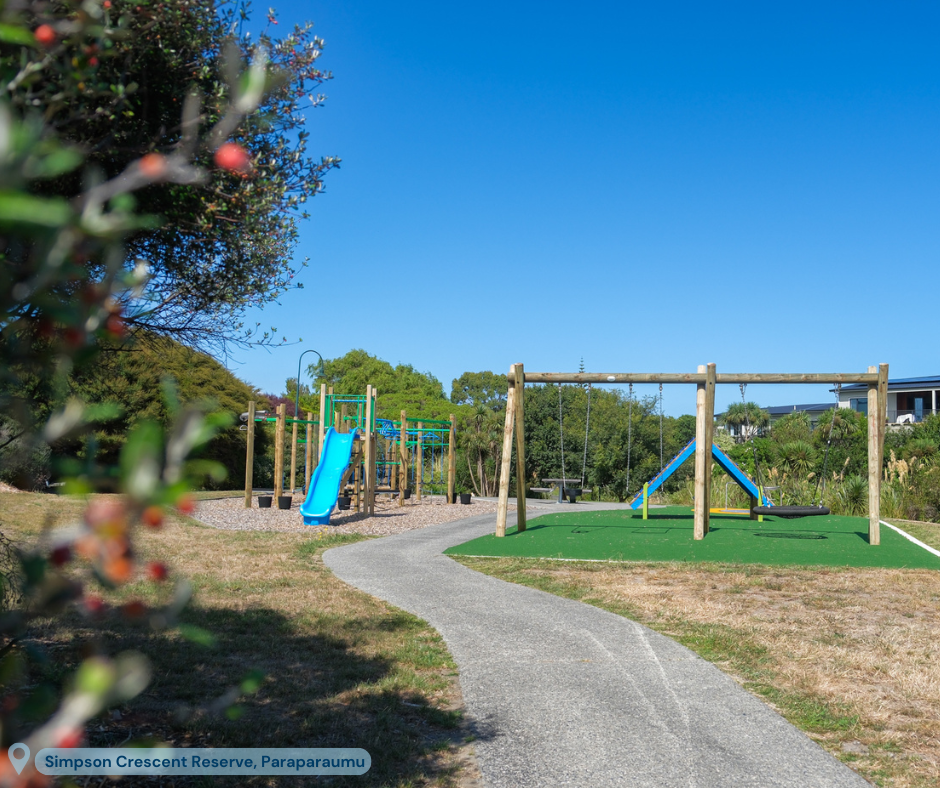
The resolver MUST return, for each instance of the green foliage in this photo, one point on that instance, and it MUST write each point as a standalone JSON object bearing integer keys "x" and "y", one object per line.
{"x": 792, "y": 427}
{"x": 745, "y": 418}
{"x": 133, "y": 380}
{"x": 480, "y": 388}
{"x": 117, "y": 92}
{"x": 65, "y": 290}
{"x": 400, "y": 388}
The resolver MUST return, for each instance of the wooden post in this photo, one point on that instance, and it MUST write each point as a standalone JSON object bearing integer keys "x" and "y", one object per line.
{"x": 321, "y": 431}
{"x": 502, "y": 508}
{"x": 701, "y": 459}
{"x": 403, "y": 459}
{"x": 419, "y": 462}
{"x": 451, "y": 459}
{"x": 250, "y": 455}
{"x": 308, "y": 452}
{"x": 646, "y": 500}
{"x": 877, "y": 416}
{"x": 293, "y": 455}
{"x": 710, "y": 379}
{"x": 520, "y": 449}
{"x": 370, "y": 454}
{"x": 341, "y": 425}
{"x": 279, "y": 432}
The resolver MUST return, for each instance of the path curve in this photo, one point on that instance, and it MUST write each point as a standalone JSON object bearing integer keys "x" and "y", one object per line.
{"x": 560, "y": 693}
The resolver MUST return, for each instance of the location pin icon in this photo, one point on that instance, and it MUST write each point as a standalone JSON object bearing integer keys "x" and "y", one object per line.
{"x": 18, "y": 761}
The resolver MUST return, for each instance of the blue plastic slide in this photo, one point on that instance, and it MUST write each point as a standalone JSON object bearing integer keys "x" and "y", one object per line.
{"x": 324, "y": 483}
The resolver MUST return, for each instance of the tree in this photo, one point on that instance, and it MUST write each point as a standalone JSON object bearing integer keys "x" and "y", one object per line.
{"x": 745, "y": 419}
{"x": 480, "y": 388}
{"x": 117, "y": 94}
{"x": 62, "y": 278}
{"x": 482, "y": 436}
{"x": 135, "y": 383}
{"x": 400, "y": 388}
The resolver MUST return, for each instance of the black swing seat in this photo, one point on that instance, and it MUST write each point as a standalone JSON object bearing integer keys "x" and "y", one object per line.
{"x": 790, "y": 512}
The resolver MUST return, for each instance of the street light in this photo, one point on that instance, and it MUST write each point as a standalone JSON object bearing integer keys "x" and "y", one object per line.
{"x": 297, "y": 391}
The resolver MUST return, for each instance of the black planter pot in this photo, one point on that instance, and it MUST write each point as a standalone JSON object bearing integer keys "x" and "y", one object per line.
{"x": 407, "y": 494}
{"x": 264, "y": 501}
{"x": 284, "y": 501}
{"x": 452, "y": 498}
{"x": 343, "y": 502}
{"x": 465, "y": 498}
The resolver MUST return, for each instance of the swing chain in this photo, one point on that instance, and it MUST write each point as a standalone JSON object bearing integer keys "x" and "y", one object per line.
{"x": 629, "y": 434}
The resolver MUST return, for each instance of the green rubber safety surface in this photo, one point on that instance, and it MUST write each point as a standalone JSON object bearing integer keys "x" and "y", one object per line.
{"x": 622, "y": 535}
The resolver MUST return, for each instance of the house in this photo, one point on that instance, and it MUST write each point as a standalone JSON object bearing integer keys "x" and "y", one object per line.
{"x": 740, "y": 432}
{"x": 909, "y": 399}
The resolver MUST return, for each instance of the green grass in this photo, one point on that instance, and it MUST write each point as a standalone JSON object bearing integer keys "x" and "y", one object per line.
{"x": 340, "y": 668}
{"x": 621, "y": 535}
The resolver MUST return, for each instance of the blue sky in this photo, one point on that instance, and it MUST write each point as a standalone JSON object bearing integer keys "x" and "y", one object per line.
{"x": 649, "y": 186}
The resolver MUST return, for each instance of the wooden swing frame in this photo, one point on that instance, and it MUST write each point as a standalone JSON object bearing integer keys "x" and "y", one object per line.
{"x": 705, "y": 381}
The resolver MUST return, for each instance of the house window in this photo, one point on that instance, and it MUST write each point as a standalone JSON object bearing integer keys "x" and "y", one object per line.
{"x": 860, "y": 404}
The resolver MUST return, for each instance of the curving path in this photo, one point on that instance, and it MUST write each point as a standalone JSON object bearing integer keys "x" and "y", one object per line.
{"x": 564, "y": 694}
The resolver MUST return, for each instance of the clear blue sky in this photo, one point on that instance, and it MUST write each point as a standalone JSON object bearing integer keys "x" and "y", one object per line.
{"x": 649, "y": 186}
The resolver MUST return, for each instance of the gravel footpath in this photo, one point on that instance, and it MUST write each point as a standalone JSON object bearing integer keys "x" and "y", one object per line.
{"x": 230, "y": 514}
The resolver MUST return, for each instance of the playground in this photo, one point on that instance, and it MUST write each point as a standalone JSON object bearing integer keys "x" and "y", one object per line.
{"x": 351, "y": 457}
{"x": 583, "y": 532}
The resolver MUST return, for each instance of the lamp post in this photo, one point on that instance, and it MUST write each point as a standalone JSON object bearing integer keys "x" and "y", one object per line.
{"x": 297, "y": 390}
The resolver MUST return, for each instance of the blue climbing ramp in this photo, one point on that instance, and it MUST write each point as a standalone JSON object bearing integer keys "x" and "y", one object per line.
{"x": 724, "y": 461}
{"x": 324, "y": 483}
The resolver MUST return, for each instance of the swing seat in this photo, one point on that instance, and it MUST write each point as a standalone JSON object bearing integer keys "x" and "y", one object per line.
{"x": 791, "y": 512}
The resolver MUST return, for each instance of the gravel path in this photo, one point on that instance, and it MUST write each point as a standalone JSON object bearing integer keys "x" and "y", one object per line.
{"x": 564, "y": 694}
{"x": 230, "y": 514}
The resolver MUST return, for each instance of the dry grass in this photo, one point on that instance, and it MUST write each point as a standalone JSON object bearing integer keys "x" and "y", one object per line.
{"x": 340, "y": 667}
{"x": 850, "y": 656}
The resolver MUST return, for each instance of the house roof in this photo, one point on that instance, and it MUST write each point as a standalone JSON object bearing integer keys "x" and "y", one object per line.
{"x": 783, "y": 410}
{"x": 931, "y": 381}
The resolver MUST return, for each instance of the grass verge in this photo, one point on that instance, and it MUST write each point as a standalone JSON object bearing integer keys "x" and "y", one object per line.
{"x": 847, "y": 655}
{"x": 340, "y": 668}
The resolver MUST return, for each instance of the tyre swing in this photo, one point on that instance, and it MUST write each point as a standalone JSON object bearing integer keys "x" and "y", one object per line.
{"x": 572, "y": 492}
{"x": 791, "y": 512}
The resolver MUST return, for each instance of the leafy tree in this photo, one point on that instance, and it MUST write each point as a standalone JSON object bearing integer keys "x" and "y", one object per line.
{"x": 482, "y": 436}
{"x": 746, "y": 419}
{"x": 480, "y": 388}
{"x": 134, "y": 382}
{"x": 117, "y": 93}
{"x": 62, "y": 279}
{"x": 792, "y": 427}
{"x": 399, "y": 388}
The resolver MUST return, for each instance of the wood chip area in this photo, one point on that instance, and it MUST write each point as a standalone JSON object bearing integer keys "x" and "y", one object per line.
{"x": 230, "y": 514}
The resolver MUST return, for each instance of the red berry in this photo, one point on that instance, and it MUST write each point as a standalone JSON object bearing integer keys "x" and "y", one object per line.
{"x": 186, "y": 504}
{"x": 153, "y": 165}
{"x": 135, "y": 609}
{"x": 61, "y": 555}
{"x": 94, "y": 605}
{"x": 74, "y": 336}
{"x": 152, "y": 516}
{"x": 232, "y": 156}
{"x": 106, "y": 3}
{"x": 114, "y": 325}
{"x": 68, "y": 737}
{"x": 157, "y": 572}
{"x": 45, "y": 35}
